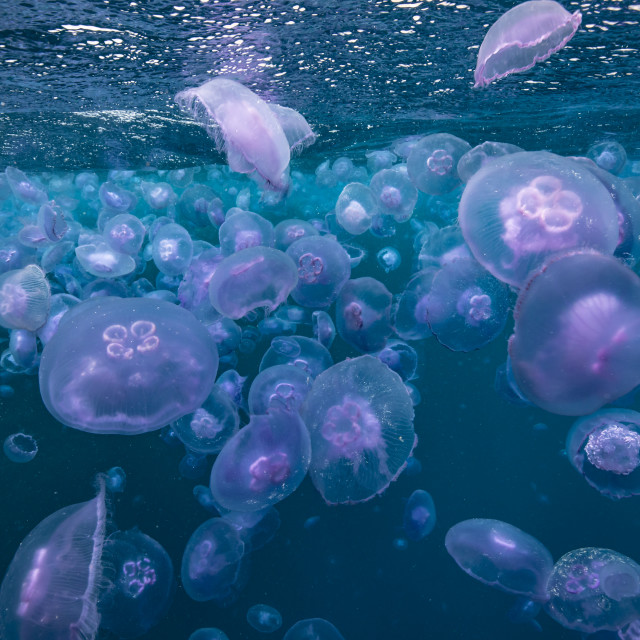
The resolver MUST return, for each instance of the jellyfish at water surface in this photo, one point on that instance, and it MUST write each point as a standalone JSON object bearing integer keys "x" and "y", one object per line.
{"x": 528, "y": 33}
{"x": 360, "y": 418}
{"x": 593, "y": 589}
{"x": 124, "y": 365}
{"x": 502, "y": 556}
{"x": 576, "y": 338}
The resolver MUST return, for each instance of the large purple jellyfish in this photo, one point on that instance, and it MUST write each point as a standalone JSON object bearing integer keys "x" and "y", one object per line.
{"x": 360, "y": 418}
{"x": 520, "y": 209}
{"x": 576, "y": 341}
{"x": 528, "y": 33}
{"x": 126, "y": 365}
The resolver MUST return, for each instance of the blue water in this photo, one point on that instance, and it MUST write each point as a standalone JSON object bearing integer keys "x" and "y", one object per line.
{"x": 90, "y": 85}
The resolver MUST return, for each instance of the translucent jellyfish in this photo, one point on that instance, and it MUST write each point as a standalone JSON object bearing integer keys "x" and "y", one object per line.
{"x": 389, "y": 259}
{"x": 296, "y": 128}
{"x": 410, "y": 313}
{"x": 288, "y": 231}
{"x": 324, "y": 330}
{"x": 528, "y": 33}
{"x": 200, "y": 206}
{"x": 263, "y": 463}
{"x": 419, "y": 517}
{"x": 243, "y": 229}
{"x": 501, "y": 556}
{"x": 243, "y": 126}
{"x": 115, "y": 480}
{"x": 20, "y": 447}
{"x": 363, "y": 314}
{"x": 24, "y": 189}
{"x": 593, "y": 589}
{"x": 306, "y": 354}
{"x": 253, "y": 278}
{"x": 281, "y": 387}
{"x": 211, "y": 561}
{"x": 126, "y": 366}
{"x": 380, "y": 159}
{"x": 208, "y": 633}
{"x": 264, "y": 618}
{"x": 605, "y": 448}
{"x": 211, "y": 425}
{"x": 141, "y": 586}
{"x": 172, "y": 249}
{"x": 576, "y": 338}
{"x": 313, "y": 629}
{"x": 23, "y": 347}
{"x": 255, "y": 528}
{"x": 397, "y": 197}
{"x": 323, "y": 268}
{"x": 472, "y": 161}
{"x": 342, "y": 168}
{"x": 608, "y": 155}
{"x": 401, "y": 358}
{"x": 466, "y": 307}
{"x": 158, "y": 195}
{"x": 360, "y": 418}
{"x": 521, "y": 208}
{"x": 432, "y": 163}
{"x": 24, "y": 298}
{"x": 51, "y": 587}
{"x": 124, "y": 233}
{"x": 355, "y": 208}
{"x": 101, "y": 260}
{"x": 51, "y": 220}
{"x": 116, "y": 198}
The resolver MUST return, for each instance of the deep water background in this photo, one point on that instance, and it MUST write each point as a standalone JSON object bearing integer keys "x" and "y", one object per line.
{"x": 363, "y": 73}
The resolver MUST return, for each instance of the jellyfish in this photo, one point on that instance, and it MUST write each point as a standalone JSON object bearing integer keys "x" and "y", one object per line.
{"x": 323, "y": 268}
{"x": 401, "y": 358}
{"x": 528, "y": 33}
{"x": 263, "y": 463}
{"x": 158, "y": 195}
{"x": 255, "y": 528}
{"x": 296, "y": 128}
{"x": 522, "y": 208}
{"x": 576, "y": 338}
{"x": 23, "y": 348}
{"x": 115, "y": 480}
{"x": 593, "y": 589}
{"x": 502, "y": 556}
{"x": 20, "y": 447}
{"x": 324, "y": 330}
{"x": 360, "y": 418}
{"x": 472, "y": 161}
{"x": 389, "y": 259}
{"x": 288, "y": 231}
{"x": 116, "y": 198}
{"x": 243, "y": 126}
{"x": 124, "y": 233}
{"x": 243, "y": 229}
{"x": 51, "y": 221}
{"x": 306, "y": 354}
{"x": 253, "y": 278}
{"x": 410, "y": 313}
{"x": 419, "y": 517}
{"x": 25, "y": 189}
{"x": 605, "y": 448}
{"x": 396, "y": 194}
{"x": 25, "y": 297}
{"x": 355, "y": 208}
{"x": 51, "y": 587}
{"x": 380, "y": 159}
{"x": 363, "y": 314}
{"x": 264, "y": 618}
{"x": 199, "y": 206}
{"x": 432, "y": 163}
{"x": 100, "y": 260}
{"x": 172, "y": 249}
{"x": 608, "y": 155}
{"x": 126, "y": 365}
{"x": 208, "y": 633}
{"x": 140, "y": 586}
{"x": 280, "y": 387}
{"x": 313, "y": 629}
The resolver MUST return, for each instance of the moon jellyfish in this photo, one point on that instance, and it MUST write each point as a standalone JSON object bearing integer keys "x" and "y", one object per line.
{"x": 466, "y": 307}
{"x": 410, "y": 314}
{"x": 124, "y": 233}
{"x": 521, "y": 208}
{"x": 263, "y": 463}
{"x": 380, "y": 159}
{"x": 323, "y": 268}
{"x": 472, "y": 161}
{"x": 355, "y": 208}
{"x": 126, "y": 365}
{"x": 363, "y": 314}
{"x": 24, "y": 298}
{"x": 172, "y": 249}
{"x": 609, "y": 155}
{"x": 360, "y": 418}
{"x": 208, "y": 633}
{"x": 280, "y": 387}
{"x": 396, "y": 194}
{"x": 158, "y": 195}
{"x": 605, "y": 448}
{"x": 51, "y": 221}
{"x": 100, "y": 260}
{"x": 116, "y": 198}
{"x": 502, "y": 556}
{"x": 115, "y": 480}
{"x": 243, "y": 229}
{"x": 288, "y": 231}
{"x": 593, "y": 589}
{"x": 389, "y": 259}
{"x": 20, "y": 447}
{"x": 24, "y": 189}
{"x": 306, "y": 354}
{"x": 419, "y": 517}
{"x": 296, "y": 128}
{"x": 243, "y": 126}
{"x": 528, "y": 33}
{"x": 51, "y": 587}
{"x": 264, "y": 618}
{"x": 433, "y": 161}
{"x": 324, "y": 330}
{"x": 253, "y": 278}
{"x": 576, "y": 338}
{"x": 255, "y": 528}
{"x": 140, "y": 587}
{"x": 211, "y": 561}
{"x": 400, "y": 358}
{"x": 313, "y": 629}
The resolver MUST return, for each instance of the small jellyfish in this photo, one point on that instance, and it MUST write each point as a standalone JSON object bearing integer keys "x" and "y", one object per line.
{"x": 609, "y": 155}
{"x": 380, "y": 159}
{"x": 360, "y": 418}
{"x": 244, "y": 229}
{"x": 172, "y": 249}
{"x": 208, "y": 633}
{"x": 102, "y": 261}
{"x": 124, "y": 233}
{"x": 193, "y": 466}
{"x": 419, "y": 515}
{"x": 264, "y": 618}
{"x": 20, "y": 447}
{"x": 116, "y": 480}
{"x": 263, "y": 463}
{"x": 432, "y": 163}
{"x": 288, "y": 231}
{"x": 363, "y": 314}
{"x": 502, "y": 556}
{"x": 355, "y": 208}
{"x": 280, "y": 387}
{"x": 593, "y": 589}
{"x": 25, "y": 297}
{"x": 324, "y": 329}
{"x": 401, "y": 358}
{"x": 472, "y": 161}
{"x": 410, "y": 313}
{"x": 296, "y": 128}
{"x": 200, "y": 206}
{"x": 605, "y": 448}
{"x": 313, "y": 629}
{"x": 24, "y": 189}
{"x": 528, "y": 33}
{"x": 389, "y": 259}
{"x": 158, "y": 195}
{"x": 306, "y": 354}
{"x": 23, "y": 347}
{"x": 115, "y": 198}
{"x": 51, "y": 220}
{"x": 396, "y": 194}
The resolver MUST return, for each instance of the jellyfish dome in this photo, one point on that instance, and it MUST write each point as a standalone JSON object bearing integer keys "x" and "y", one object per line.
{"x": 360, "y": 418}
{"x": 313, "y": 629}
{"x": 51, "y": 589}
{"x": 576, "y": 340}
{"x": 502, "y": 556}
{"x": 528, "y": 33}
{"x": 593, "y": 589}
{"x": 605, "y": 448}
{"x": 25, "y": 298}
{"x": 520, "y": 209}
{"x": 126, "y": 365}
